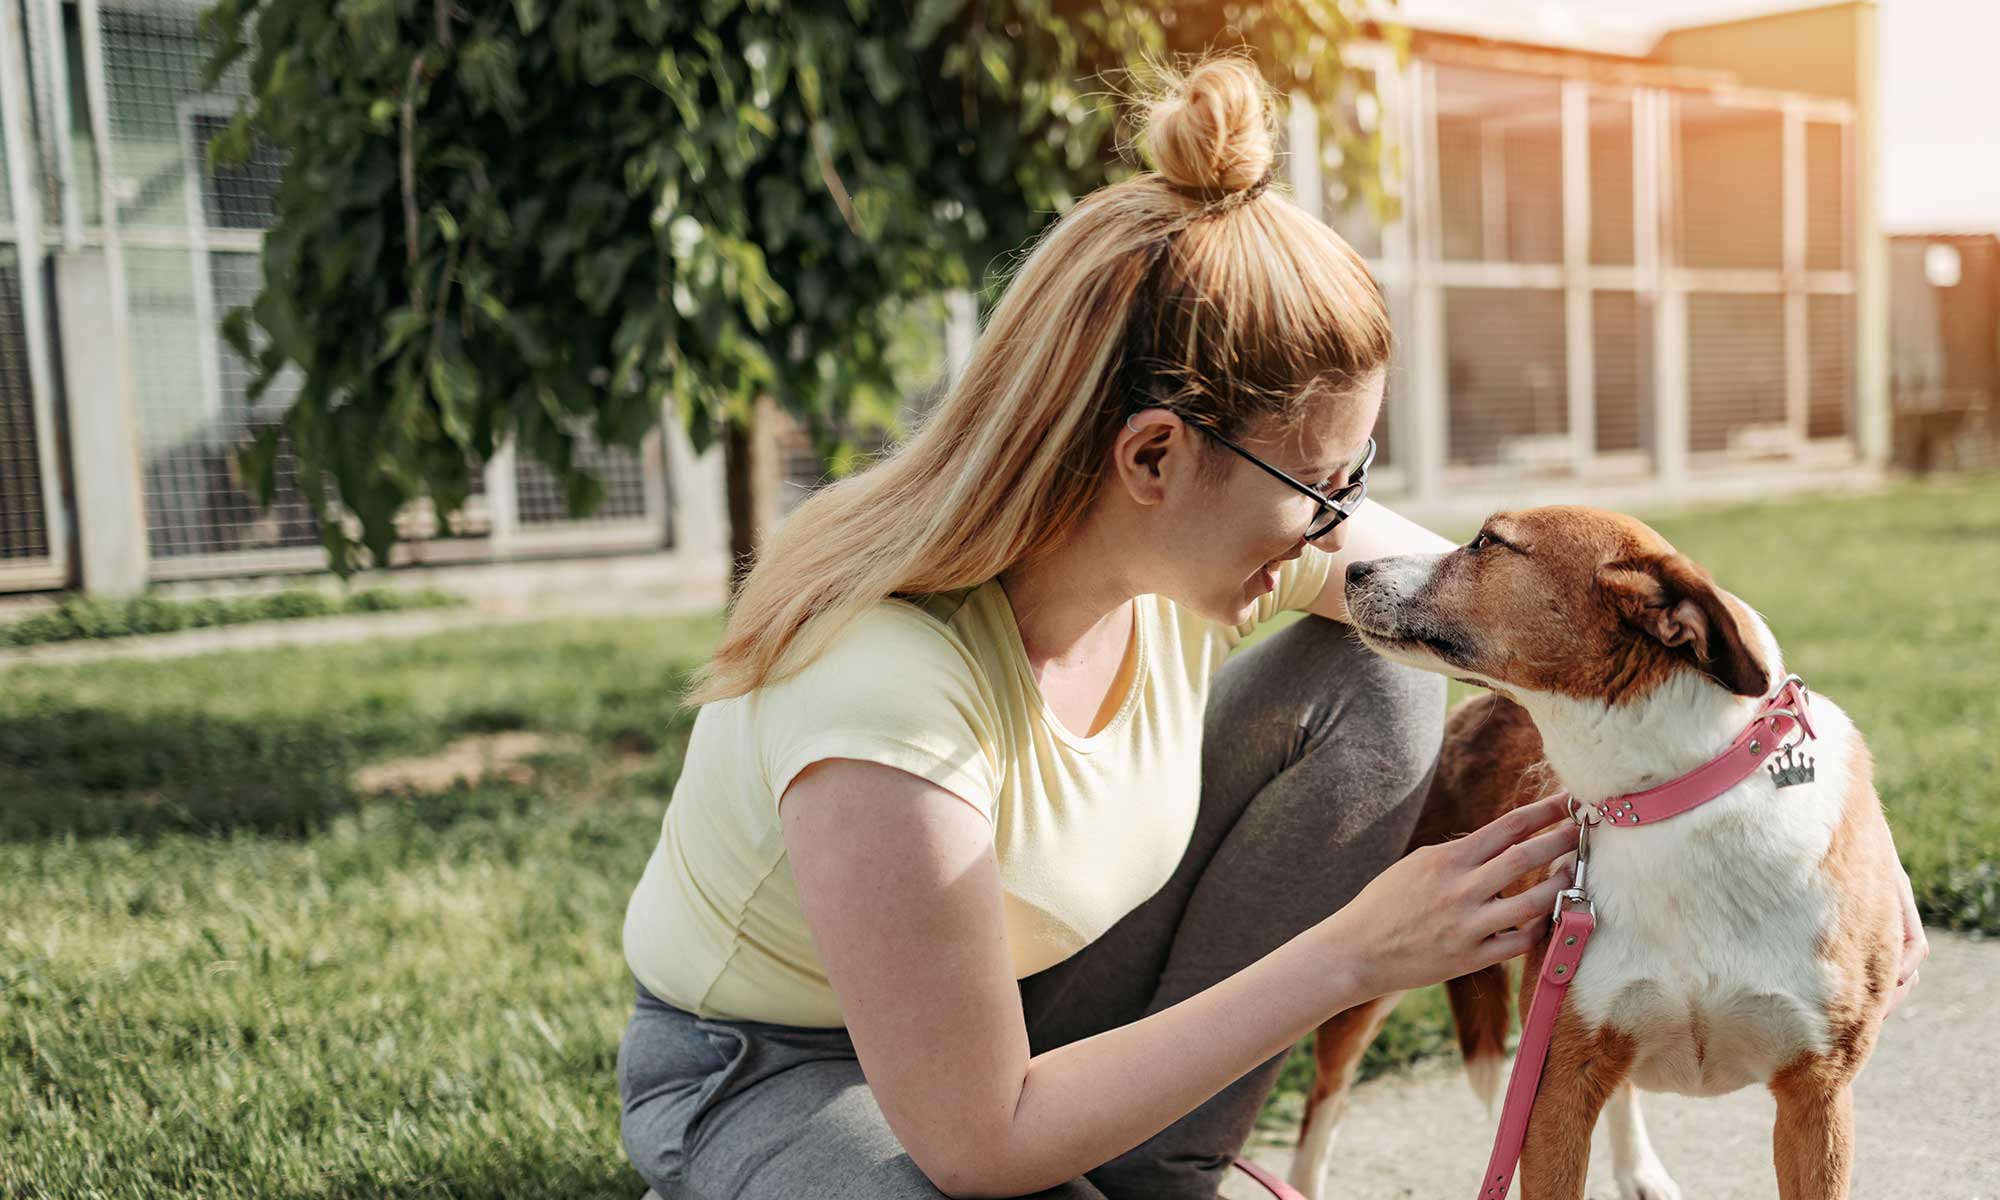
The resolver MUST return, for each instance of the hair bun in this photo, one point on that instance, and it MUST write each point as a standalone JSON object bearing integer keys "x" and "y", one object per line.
{"x": 1210, "y": 134}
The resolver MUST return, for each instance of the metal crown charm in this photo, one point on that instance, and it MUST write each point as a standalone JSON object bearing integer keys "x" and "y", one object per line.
{"x": 1788, "y": 770}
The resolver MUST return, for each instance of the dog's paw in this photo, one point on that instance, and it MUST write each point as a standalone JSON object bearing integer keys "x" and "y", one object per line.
{"x": 1648, "y": 1181}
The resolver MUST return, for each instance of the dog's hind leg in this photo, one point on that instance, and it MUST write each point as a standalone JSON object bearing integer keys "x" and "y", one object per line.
{"x": 1337, "y": 1051}
{"x": 1638, "y": 1169}
{"x": 1812, "y": 1142}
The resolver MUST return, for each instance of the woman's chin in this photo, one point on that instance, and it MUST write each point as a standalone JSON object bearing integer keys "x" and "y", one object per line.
{"x": 1240, "y": 609}
{"x": 1230, "y": 609}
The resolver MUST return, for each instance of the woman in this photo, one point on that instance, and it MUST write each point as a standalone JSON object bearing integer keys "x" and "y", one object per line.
{"x": 972, "y": 884}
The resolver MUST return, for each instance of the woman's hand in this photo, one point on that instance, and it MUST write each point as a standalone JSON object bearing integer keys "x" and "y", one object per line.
{"x": 1437, "y": 914}
{"x": 1916, "y": 947}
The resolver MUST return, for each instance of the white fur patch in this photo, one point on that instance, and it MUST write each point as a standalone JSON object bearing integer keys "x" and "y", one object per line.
{"x": 1484, "y": 1072}
{"x": 1313, "y": 1162}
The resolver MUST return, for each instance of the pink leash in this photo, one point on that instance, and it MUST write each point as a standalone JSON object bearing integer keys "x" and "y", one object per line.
{"x": 1783, "y": 712}
{"x": 1272, "y": 1184}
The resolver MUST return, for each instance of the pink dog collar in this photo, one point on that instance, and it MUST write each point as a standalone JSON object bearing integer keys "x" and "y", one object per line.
{"x": 1781, "y": 714}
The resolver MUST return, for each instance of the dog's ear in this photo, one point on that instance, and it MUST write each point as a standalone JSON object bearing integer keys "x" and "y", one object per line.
{"x": 1676, "y": 603}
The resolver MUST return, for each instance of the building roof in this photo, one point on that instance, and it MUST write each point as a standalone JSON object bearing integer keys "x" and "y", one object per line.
{"x": 1588, "y": 28}
{"x": 1952, "y": 231}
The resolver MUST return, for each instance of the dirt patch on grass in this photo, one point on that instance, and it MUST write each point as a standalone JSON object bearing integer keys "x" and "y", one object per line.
{"x": 515, "y": 756}
{"x": 476, "y": 758}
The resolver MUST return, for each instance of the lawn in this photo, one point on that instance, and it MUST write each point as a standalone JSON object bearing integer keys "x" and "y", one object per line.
{"x": 225, "y": 971}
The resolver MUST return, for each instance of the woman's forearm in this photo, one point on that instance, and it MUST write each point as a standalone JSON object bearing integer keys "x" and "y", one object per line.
{"x": 1085, "y": 1103}
{"x": 1377, "y": 531}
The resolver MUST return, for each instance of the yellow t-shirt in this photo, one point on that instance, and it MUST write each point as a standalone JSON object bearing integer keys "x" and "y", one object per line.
{"x": 1084, "y": 828}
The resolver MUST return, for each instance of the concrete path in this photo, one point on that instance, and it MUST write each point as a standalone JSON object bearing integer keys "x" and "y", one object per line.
{"x": 357, "y": 627}
{"x": 1927, "y": 1114}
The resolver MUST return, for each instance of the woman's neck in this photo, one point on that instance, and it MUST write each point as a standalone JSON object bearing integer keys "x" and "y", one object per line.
{"x": 1068, "y": 602}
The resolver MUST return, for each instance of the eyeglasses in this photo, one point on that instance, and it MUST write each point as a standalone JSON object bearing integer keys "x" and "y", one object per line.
{"x": 1334, "y": 506}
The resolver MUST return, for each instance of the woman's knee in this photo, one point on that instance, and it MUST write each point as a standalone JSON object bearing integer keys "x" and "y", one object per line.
{"x": 1395, "y": 708}
{"x": 1318, "y": 683}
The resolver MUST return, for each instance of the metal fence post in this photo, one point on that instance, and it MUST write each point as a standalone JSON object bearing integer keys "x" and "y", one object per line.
{"x": 1670, "y": 328}
{"x": 1798, "y": 364}
{"x": 1871, "y": 265}
{"x": 104, "y": 443}
{"x": 1430, "y": 366}
{"x": 697, "y": 502}
{"x": 503, "y": 503}
{"x": 1579, "y": 334}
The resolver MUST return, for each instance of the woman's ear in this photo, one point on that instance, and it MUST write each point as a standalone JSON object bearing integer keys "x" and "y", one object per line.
{"x": 1139, "y": 451}
{"x": 1675, "y": 602}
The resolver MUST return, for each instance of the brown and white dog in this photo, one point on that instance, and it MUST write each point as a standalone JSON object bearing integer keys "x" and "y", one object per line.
{"x": 1754, "y": 939}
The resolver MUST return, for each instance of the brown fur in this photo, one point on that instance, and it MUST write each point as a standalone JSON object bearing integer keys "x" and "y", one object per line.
{"x": 1813, "y": 1140}
{"x": 1583, "y": 580}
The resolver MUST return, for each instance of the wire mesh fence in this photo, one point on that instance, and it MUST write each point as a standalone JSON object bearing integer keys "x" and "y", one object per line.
{"x": 1576, "y": 269}
{"x": 190, "y": 233}
{"x": 24, "y": 526}
{"x": 32, "y": 546}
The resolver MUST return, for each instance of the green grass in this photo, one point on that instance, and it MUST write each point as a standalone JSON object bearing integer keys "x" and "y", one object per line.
{"x": 81, "y": 617}
{"x": 1891, "y": 606}
{"x": 223, "y": 973}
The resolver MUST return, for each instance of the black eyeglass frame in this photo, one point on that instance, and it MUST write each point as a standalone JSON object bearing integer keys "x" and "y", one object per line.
{"x": 1342, "y": 501}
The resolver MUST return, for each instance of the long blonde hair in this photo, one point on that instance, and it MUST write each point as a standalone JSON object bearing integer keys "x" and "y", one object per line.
{"x": 1187, "y": 287}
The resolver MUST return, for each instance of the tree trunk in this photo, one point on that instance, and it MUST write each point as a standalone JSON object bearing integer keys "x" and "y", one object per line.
{"x": 752, "y": 471}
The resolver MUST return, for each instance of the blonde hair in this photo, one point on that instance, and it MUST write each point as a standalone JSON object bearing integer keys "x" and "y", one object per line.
{"x": 1187, "y": 287}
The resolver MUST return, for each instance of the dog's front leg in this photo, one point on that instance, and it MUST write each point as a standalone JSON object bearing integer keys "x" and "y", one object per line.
{"x": 1812, "y": 1142}
{"x": 1584, "y": 1067}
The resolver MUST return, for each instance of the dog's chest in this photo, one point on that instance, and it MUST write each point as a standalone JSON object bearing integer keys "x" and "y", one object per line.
{"x": 1706, "y": 949}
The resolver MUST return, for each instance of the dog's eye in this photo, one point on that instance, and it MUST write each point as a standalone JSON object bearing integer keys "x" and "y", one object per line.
{"x": 1479, "y": 543}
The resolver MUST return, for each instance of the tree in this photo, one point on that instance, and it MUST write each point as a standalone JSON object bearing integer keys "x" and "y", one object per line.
{"x": 545, "y": 219}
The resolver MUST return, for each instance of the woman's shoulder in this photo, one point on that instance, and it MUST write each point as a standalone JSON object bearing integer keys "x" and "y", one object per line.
{"x": 922, "y": 626}
{"x": 895, "y": 686}
{"x": 908, "y": 644}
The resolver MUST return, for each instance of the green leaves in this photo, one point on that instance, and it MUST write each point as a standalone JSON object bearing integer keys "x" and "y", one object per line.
{"x": 455, "y": 386}
{"x": 619, "y": 204}
{"x": 930, "y": 19}
{"x": 488, "y": 71}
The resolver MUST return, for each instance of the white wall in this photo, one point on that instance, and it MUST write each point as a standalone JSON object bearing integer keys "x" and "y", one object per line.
{"x": 1940, "y": 100}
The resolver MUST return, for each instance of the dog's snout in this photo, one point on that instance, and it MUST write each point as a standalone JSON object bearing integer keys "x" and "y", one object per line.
{"x": 1358, "y": 572}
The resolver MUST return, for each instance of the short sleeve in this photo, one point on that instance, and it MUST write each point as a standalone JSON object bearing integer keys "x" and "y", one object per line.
{"x": 1299, "y": 584}
{"x": 894, "y": 688}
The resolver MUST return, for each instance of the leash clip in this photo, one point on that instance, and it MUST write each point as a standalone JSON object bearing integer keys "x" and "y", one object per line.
{"x": 1576, "y": 893}
{"x": 1573, "y": 895}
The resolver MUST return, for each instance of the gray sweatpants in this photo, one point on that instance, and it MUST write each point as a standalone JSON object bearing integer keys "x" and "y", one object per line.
{"x": 1316, "y": 754}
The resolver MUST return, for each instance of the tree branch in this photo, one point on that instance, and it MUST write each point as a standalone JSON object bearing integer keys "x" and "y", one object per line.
{"x": 408, "y": 161}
